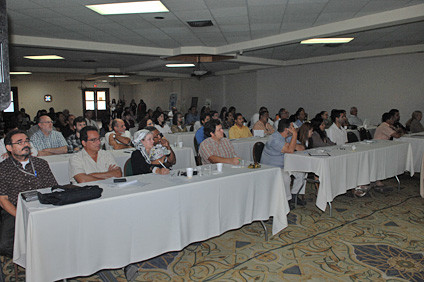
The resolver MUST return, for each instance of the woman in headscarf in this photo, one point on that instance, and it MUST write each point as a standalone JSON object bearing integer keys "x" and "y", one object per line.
{"x": 140, "y": 158}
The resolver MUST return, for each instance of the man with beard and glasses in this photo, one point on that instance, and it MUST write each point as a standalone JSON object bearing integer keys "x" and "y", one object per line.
{"x": 20, "y": 172}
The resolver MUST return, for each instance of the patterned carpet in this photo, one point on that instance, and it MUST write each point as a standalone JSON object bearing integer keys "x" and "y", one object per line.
{"x": 375, "y": 238}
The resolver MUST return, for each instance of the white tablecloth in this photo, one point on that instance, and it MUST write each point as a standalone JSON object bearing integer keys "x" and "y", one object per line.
{"x": 185, "y": 137}
{"x": 134, "y": 222}
{"x": 417, "y": 144}
{"x": 244, "y": 146}
{"x": 59, "y": 164}
{"x": 346, "y": 169}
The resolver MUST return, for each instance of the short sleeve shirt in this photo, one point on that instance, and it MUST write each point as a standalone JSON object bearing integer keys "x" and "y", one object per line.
{"x": 272, "y": 155}
{"x": 337, "y": 135}
{"x": 267, "y": 128}
{"x": 237, "y": 132}
{"x": 82, "y": 162}
{"x": 53, "y": 140}
{"x": 210, "y": 147}
{"x": 13, "y": 180}
{"x": 383, "y": 131}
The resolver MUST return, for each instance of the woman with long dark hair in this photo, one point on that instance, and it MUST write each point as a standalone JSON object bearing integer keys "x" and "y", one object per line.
{"x": 319, "y": 136}
{"x": 160, "y": 124}
{"x": 177, "y": 123}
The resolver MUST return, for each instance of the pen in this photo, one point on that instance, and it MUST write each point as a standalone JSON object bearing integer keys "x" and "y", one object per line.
{"x": 162, "y": 164}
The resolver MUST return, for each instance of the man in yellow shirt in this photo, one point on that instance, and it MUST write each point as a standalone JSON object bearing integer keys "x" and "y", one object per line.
{"x": 238, "y": 130}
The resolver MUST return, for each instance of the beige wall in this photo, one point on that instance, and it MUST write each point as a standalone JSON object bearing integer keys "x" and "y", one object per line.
{"x": 374, "y": 85}
{"x": 66, "y": 95}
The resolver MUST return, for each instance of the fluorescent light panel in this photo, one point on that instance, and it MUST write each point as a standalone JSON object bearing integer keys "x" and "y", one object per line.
{"x": 327, "y": 40}
{"x": 118, "y": 75}
{"x": 179, "y": 65}
{"x": 20, "y": 72}
{"x": 129, "y": 8}
{"x": 44, "y": 57}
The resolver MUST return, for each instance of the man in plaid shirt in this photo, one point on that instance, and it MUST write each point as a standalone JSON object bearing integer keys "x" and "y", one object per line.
{"x": 215, "y": 148}
{"x": 74, "y": 142}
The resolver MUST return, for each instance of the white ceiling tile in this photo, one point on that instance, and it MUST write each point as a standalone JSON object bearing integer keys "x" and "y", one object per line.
{"x": 213, "y": 4}
{"x": 232, "y": 21}
{"x": 237, "y": 39}
{"x": 326, "y": 18}
{"x": 184, "y": 5}
{"x": 234, "y": 28}
{"x": 40, "y": 13}
{"x": 261, "y": 27}
{"x": 335, "y": 6}
{"x": 266, "y": 2}
{"x": 229, "y": 12}
{"x": 62, "y": 21}
{"x": 22, "y": 4}
{"x": 304, "y": 8}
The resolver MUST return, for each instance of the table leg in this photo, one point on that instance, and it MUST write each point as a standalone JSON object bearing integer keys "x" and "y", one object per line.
{"x": 266, "y": 231}
{"x": 398, "y": 182}
{"x": 331, "y": 209}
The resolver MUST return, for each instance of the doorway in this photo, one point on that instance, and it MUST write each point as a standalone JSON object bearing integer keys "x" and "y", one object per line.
{"x": 96, "y": 100}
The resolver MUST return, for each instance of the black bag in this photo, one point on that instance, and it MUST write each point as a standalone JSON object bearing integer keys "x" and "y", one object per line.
{"x": 70, "y": 194}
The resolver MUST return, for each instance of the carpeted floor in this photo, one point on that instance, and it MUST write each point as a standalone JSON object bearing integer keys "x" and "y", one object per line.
{"x": 375, "y": 238}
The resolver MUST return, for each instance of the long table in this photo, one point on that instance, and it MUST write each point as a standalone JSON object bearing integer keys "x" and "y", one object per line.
{"x": 417, "y": 144}
{"x": 59, "y": 164}
{"x": 142, "y": 220}
{"x": 341, "y": 168}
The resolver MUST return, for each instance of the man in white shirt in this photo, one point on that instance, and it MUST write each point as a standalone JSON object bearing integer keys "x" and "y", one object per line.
{"x": 89, "y": 121}
{"x": 336, "y": 132}
{"x": 92, "y": 163}
{"x": 353, "y": 118}
{"x": 119, "y": 138}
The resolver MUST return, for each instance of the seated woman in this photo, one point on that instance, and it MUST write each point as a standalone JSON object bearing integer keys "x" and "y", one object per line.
{"x": 305, "y": 134}
{"x": 145, "y": 123}
{"x": 319, "y": 136}
{"x": 160, "y": 124}
{"x": 140, "y": 158}
{"x": 414, "y": 123}
{"x": 177, "y": 123}
{"x": 229, "y": 121}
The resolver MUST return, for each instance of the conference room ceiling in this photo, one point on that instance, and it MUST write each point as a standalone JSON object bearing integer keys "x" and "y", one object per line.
{"x": 257, "y": 34}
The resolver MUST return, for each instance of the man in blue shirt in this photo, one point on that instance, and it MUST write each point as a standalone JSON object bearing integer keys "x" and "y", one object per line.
{"x": 192, "y": 116}
{"x": 200, "y": 135}
{"x": 284, "y": 141}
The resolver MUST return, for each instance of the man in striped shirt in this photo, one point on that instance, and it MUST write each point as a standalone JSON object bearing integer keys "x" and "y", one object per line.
{"x": 216, "y": 148}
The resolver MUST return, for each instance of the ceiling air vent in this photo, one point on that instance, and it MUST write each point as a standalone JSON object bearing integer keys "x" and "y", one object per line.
{"x": 200, "y": 23}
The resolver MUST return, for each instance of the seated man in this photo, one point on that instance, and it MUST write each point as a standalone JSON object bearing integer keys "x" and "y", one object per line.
{"x": 74, "y": 141}
{"x": 119, "y": 138}
{"x": 284, "y": 141}
{"x": 216, "y": 148}
{"x": 89, "y": 119}
{"x": 92, "y": 163}
{"x": 282, "y": 114}
{"x": 386, "y": 130}
{"x": 162, "y": 151}
{"x": 46, "y": 140}
{"x": 397, "y": 123}
{"x": 336, "y": 132}
{"x": 263, "y": 124}
{"x": 200, "y": 135}
{"x": 238, "y": 130}
{"x": 20, "y": 172}
{"x": 254, "y": 119}
{"x": 353, "y": 118}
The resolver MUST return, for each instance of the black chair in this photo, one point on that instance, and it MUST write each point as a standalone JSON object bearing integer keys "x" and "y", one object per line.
{"x": 369, "y": 136}
{"x": 257, "y": 151}
{"x": 351, "y": 137}
{"x": 197, "y": 157}
{"x": 128, "y": 168}
{"x": 363, "y": 134}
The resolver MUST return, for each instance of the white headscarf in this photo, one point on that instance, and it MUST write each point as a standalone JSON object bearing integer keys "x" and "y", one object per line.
{"x": 138, "y": 136}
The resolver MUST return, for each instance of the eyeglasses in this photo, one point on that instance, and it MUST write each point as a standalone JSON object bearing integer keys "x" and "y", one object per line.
{"x": 21, "y": 142}
{"x": 94, "y": 139}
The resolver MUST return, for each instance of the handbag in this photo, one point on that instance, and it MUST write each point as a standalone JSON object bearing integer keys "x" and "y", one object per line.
{"x": 70, "y": 194}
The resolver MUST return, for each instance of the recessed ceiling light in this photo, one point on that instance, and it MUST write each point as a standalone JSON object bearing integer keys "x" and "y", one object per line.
{"x": 179, "y": 65}
{"x": 129, "y": 8}
{"x": 44, "y": 57}
{"x": 327, "y": 40}
{"x": 118, "y": 75}
{"x": 20, "y": 72}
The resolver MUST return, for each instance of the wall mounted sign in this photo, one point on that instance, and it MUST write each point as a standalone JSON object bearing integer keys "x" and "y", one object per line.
{"x": 48, "y": 98}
